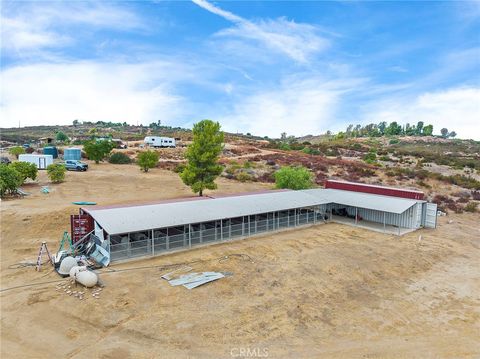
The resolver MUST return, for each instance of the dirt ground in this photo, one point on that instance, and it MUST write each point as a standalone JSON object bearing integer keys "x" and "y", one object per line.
{"x": 324, "y": 291}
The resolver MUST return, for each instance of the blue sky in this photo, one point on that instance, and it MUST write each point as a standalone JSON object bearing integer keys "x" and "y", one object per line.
{"x": 259, "y": 67}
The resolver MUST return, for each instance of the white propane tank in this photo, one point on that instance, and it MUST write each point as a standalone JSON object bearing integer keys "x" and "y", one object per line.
{"x": 83, "y": 276}
{"x": 75, "y": 270}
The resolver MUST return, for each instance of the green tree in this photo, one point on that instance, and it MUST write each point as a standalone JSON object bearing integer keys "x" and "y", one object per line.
{"x": 16, "y": 151}
{"x": 202, "y": 157}
{"x": 381, "y": 127}
{"x": 10, "y": 180}
{"x": 56, "y": 172}
{"x": 393, "y": 129}
{"x": 419, "y": 130}
{"x": 61, "y": 136}
{"x": 428, "y": 130}
{"x": 98, "y": 150}
{"x": 452, "y": 134}
{"x": 26, "y": 170}
{"x": 147, "y": 159}
{"x": 293, "y": 178}
{"x": 444, "y": 132}
{"x": 76, "y": 123}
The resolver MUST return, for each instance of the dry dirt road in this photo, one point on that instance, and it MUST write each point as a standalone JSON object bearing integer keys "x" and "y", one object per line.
{"x": 325, "y": 291}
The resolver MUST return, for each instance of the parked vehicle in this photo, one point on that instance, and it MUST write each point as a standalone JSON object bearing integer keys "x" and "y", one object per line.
{"x": 156, "y": 141}
{"x": 41, "y": 161}
{"x": 73, "y": 165}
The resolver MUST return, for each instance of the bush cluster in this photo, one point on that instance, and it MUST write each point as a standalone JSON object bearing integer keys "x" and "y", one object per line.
{"x": 119, "y": 158}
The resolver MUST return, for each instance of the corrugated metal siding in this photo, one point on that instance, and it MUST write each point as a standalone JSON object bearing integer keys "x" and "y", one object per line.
{"x": 407, "y": 219}
{"x": 372, "y": 189}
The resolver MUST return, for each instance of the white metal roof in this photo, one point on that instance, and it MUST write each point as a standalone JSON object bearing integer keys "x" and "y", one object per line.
{"x": 137, "y": 218}
{"x": 364, "y": 200}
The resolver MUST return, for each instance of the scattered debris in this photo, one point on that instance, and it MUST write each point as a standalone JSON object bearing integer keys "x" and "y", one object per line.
{"x": 84, "y": 203}
{"x": 45, "y": 190}
{"x": 194, "y": 280}
{"x": 168, "y": 276}
{"x": 21, "y": 192}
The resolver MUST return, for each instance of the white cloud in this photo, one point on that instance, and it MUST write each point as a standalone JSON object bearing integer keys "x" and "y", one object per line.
{"x": 50, "y": 94}
{"x": 457, "y": 109}
{"x": 296, "y": 40}
{"x": 298, "y": 107}
{"x": 35, "y": 27}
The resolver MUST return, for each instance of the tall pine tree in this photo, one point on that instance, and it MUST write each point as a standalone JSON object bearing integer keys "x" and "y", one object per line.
{"x": 202, "y": 157}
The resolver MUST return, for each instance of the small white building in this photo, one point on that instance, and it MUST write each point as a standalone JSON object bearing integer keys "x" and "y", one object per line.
{"x": 41, "y": 161}
{"x": 157, "y": 141}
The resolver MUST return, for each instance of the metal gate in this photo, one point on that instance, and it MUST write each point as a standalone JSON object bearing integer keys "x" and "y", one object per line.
{"x": 430, "y": 215}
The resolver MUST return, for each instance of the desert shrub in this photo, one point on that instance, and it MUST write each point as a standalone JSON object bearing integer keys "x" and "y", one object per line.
{"x": 385, "y": 158}
{"x": 423, "y": 184}
{"x": 248, "y": 164}
{"x": 10, "y": 180}
{"x": 293, "y": 178}
{"x": 370, "y": 157}
{"x": 471, "y": 207}
{"x": 16, "y": 151}
{"x": 119, "y": 158}
{"x": 476, "y": 195}
{"x": 243, "y": 176}
{"x": 464, "y": 181}
{"x": 297, "y": 146}
{"x": 56, "y": 172}
{"x": 311, "y": 151}
{"x": 285, "y": 147}
{"x": 394, "y": 141}
{"x": 455, "y": 207}
{"x": 147, "y": 159}
{"x": 26, "y": 170}
{"x": 179, "y": 168}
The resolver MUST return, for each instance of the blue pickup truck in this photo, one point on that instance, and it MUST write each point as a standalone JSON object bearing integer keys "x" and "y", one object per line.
{"x": 72, "y": 165}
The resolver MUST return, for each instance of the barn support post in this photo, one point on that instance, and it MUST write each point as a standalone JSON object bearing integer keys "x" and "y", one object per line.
{"x": 153, "y": 243}
{"x": 384, "y": 229}
{"x": 295, "y": 217}
{"x": 189, "y": 235}
{"x": 184, "y": 235}
{"x": 230, "y": 229}
{"x": 356, "y": 215}
{"x": 216, "y": 236}
{"x": 221, "y": 229}
{"x": 256, "y": 220}
{"x": 201, "y": 233}
{"x": 249, "y": 225}
{"x": 129, "y": 248}
{"x": 399, "y": 222}
{"x": 243, "y": 226}
{"x": 167, "y": 241}
{"x": 315, "y": 209}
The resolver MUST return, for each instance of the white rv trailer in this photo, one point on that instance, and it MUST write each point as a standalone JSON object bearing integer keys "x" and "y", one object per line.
{"x": 156, "y": 141}
{"x": 41, "y": 161}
